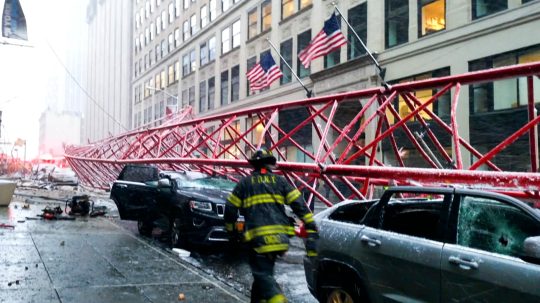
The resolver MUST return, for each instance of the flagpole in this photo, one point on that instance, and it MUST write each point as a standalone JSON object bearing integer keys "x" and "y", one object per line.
{"x": 382, "y": 71}
{"x": 308, "y": 92}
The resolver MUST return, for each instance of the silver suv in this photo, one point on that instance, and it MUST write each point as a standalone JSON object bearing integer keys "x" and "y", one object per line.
{"x": 427, "y": 245}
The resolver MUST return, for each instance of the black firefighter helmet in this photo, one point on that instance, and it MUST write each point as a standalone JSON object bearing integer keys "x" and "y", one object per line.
{"x": 262, "y": 157}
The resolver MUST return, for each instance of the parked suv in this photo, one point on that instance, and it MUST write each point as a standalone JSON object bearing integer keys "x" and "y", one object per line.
{"x": 189, "y": 206}
{"x": 427, "y": 245}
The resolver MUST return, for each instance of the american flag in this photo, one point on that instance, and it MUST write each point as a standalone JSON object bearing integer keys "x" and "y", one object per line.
{"x": 327, "y": 40}
{"x": 263, "y": 73}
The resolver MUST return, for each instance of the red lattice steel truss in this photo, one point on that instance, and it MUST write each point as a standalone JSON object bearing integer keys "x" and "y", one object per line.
{"x": 340, "y": 165}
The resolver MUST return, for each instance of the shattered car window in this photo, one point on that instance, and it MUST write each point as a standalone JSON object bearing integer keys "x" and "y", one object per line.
{"x": 209, "y": 182}
{"x": 494, "y": 226}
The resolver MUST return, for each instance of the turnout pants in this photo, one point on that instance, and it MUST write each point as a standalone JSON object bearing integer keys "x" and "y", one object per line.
{"x": 265, "y": 289}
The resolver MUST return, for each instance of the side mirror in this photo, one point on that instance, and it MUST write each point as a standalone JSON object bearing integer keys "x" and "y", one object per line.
{"x": 164, "y": 183}
{"x": 531, "y": 249}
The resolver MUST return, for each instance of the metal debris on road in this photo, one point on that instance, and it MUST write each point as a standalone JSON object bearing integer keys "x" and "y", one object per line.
{"x": 4, "y": 225}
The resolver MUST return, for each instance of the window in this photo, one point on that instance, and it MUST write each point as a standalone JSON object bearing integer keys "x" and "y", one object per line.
{"x": 163, "y": 79}
{"x": 171, "y": 42}
{"x": 332, "y": 58}
{"x": 136, "y": 68}
{"x": 192, "y": 59}
{"x": 432, "y": 16}
{"x": 304, "y": 3}
{"x": 482, "y": 8}
{"x": 261, "y": 56}
{"x": 249, "y": 64}
{"x": 287, "y": 8}
{"x": 236, "y": 34}
{"x": 303, "y": 42}
{"x": 163, "y": 20}
{"x": 137, "y": 20}
{"x": 191, "y": 96}
{"x": 152, "y": 31}
{"x": 203, "y": 54}
{"x": 177, "y": 71}
{"x": 357, "y": 17}
{"x": 397, "y": 22}
{"x": 163, "y": 48}
{"x": 502, "y": 94}
{"x": 212, "y": 49}
{"x": 177, "y": 8}
{"x": 152, "y": 5}
{"x": 211, "y": 93}
{"x": 186, "y": 69}
{"x": 185, "y": 98}
{"x": 177, "y": 37}
{"x": 151, "y": 57}
{"x": 158, "y": 52}
{"x": 146, "y": 61}
{"x": 193, "y": 24}
{"x": 252, "y": 23}
{"x": 137, "y": 45}
{"x": 185, "y": 28}
{"x": 286, "y": 51}
{"x": 225, "y": 5}
{"x": 171, "y": 12}
{"x": 235, "y": 83}
{"x": 225, "y": 40}
{"x": 266, "y": 15}
{"x": 202, "y": 96}
{"x": 146, "y": 36}
{"x": 171, "y": 74}
{"x": 158, "y": 83}
{"x": 204, "y": 16}
{"x": 147, "y": 10}
{"x": 213, "y": 10}
{"x": 494, "y": 226}
{"x": 224, "y": 88}
{"x": 186, "y": 4}
{"x": 158, "y": 25}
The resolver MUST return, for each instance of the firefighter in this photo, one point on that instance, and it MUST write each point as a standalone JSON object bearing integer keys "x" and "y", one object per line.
{"x": 261, "y": 198}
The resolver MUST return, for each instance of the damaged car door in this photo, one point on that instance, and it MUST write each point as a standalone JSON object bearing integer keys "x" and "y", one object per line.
{"x": 134, "y": 191}
{"x": 486, "y": 259}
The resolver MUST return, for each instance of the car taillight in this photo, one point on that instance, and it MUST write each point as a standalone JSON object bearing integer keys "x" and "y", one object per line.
{"x": 301, "y": 231}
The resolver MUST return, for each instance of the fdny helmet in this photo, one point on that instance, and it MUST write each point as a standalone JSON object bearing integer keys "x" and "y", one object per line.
{"x": 262, "y": 156}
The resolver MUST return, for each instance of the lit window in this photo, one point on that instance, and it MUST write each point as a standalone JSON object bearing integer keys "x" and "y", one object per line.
{"x": 158, "y": 83}
{"x": 177, "y": 71}
{"x": 171, "y": 73}
{"x": 225, "y": 40}
{"x": 252, "y": 23}
{"x": 287, "y": 8}
{"x": 304, "y": 3}
{"x": 204, "y": 16}
{"x": 266, "y": 12}
{"x": 432, "y": 18}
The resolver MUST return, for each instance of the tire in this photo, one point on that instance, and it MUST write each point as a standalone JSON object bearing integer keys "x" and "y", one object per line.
{"x": 178, "y": 238}
{"x": 349, "y": 292}
{"x": 145, "y": 228}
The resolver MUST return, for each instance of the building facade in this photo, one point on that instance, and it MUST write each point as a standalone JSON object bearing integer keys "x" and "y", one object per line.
{"x": 57, "y": 129}
{"x": 197, "y": 53}
{"x": 107, "y": 109}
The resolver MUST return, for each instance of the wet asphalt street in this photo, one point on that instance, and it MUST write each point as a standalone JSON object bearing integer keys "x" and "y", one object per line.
{"x": 104, "y": 259}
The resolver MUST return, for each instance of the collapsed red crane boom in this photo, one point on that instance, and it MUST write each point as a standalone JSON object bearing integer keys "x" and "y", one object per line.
{"x": 351, "y": 155}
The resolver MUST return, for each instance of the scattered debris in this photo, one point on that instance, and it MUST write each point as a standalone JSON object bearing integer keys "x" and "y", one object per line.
{"x": 4, "y": 225}
{"x": 206, "y": 287}
{"x": 26, "y": 206}
{"x": 181, "y": 296}
{"x": 181, "y": 253}
{"x": 21, "y": 221}
{"x": 11, "y": 283}
{"x": 62, "y": 243}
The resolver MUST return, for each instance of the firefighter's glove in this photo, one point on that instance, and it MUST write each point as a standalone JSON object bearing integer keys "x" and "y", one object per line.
{"x": 312, "y": 239}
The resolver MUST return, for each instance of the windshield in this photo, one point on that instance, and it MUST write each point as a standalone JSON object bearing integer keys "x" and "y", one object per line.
{"x": 208, "y": 183}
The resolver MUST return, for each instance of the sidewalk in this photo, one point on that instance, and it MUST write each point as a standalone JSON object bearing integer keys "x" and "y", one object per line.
{"x": 93, "y": 260}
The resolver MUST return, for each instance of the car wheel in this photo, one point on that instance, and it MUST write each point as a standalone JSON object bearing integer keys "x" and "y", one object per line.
{"x": 178, "y": 239}
{"x": 145, "y": 228}
{"x": 343, "y": 294}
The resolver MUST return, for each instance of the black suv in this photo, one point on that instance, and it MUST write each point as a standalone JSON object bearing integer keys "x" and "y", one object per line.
{"x": 187, "y": 205}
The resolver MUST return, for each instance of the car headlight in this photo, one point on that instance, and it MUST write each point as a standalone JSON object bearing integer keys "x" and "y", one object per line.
{"x": 204, "y": 206}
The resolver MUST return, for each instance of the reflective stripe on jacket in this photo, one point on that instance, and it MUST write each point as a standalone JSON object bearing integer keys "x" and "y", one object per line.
{"x": 261, "y": 199}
